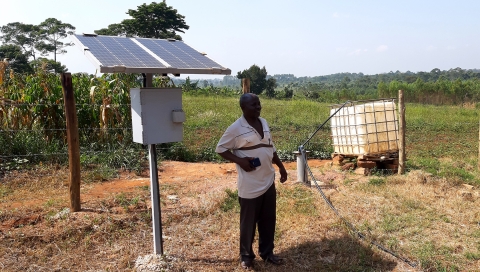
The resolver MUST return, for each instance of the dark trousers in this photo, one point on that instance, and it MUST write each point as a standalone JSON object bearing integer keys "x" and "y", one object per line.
{"x": 262, "y": 211}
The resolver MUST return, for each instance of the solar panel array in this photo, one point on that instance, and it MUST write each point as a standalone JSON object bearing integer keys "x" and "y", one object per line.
{"x": 135, "y": 55}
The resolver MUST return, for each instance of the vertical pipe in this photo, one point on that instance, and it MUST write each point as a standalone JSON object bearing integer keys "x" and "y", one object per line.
{"x": 155, "y": 196}
{"x": 154, "y": 187}
{"x": 73, "y": 141}
{"x": 302, "y": 175}
{"x": 401, "y": 142}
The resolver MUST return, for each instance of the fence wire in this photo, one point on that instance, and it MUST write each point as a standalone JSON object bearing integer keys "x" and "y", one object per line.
{"x": 112, "y": 145}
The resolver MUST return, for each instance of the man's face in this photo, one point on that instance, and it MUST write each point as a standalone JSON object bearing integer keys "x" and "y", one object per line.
{"x": 252, "y": 107}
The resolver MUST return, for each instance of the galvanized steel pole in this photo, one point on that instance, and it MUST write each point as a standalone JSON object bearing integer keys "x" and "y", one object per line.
{"x": 401, "y": 140}
{"x": 154, "y": 188}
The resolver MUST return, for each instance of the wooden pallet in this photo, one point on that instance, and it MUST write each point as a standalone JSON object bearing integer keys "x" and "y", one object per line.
{"x": 385, "y": 161}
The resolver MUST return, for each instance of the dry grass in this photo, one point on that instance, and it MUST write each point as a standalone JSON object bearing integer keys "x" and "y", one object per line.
{"x": 427, "y": 220}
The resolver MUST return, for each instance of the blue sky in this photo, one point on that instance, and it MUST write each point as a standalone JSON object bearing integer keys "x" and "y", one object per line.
{"x": 304, "y": 38}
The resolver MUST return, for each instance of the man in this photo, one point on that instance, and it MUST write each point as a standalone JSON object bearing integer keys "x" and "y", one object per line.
{"x": 246, "y": 139}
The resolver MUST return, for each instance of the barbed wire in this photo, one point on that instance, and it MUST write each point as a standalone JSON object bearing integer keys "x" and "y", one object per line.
{"x": 90, "y": 152}
{"x": 61, "y": 129}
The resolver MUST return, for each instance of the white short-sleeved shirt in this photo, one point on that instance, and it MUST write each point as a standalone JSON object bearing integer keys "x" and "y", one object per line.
{"x": 245, "y": 141}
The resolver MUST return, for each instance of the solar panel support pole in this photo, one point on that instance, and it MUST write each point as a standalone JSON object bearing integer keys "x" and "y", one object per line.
{"x": 401, "y": 141}
{"x": 155, "y": 187}
{"x": 155, "y": 194}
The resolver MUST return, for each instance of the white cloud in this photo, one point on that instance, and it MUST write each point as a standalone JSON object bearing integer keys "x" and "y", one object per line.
{"x": 382, "y": 48}
{"x": 431, "y": 48}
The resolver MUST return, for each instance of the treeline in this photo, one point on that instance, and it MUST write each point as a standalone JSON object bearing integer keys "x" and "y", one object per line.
{"x": 438, "y": 87}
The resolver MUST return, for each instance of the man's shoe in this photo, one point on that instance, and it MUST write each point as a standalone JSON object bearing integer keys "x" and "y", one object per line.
{"x": 274, "y": 259}
{"x": 248, "y": 265}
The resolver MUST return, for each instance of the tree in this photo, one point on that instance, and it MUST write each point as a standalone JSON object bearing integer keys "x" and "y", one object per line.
{"x": 53, "y": 31}
{"x": 189, "y": 85}
{"x": 17, "y": 60}
{"x": 257, "y": 76}
{"x": 24, "y": 35}
{"x": 270, "y": 87}
{"x": 288, "y": 91}
{"x": 113, "y": 30}
{"x": 156, "y": 20}
{"x": 49, "y": 65}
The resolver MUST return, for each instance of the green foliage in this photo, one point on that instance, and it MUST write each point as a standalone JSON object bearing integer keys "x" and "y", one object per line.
{"x": 26, "y": 36}
{"x": 155, "y": 20}
{"x": 189, "y": 86}
{"x": 258, "y": 78}
{"x": 231, "y": 201}
{"x": 377, "y": 181}
{"x": 303, "y": 200}
{"x": 49, "y": 65}
{"x": 33, "y": 126}
{"x": 17, "y": 60}
{"x": 123, "y": 200}
{"x": 22, "y": 41}
{"x": 113, "y": 30}
{"x": 52, "y": 32}
{"x": 270, "y": 87}
{"x": 472, "y": 256}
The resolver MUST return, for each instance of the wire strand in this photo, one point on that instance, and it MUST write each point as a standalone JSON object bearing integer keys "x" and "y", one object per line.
{"x": 351, "y": 226}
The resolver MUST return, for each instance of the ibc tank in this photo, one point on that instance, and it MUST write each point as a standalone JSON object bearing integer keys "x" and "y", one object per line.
{"x": 365, "y": 129}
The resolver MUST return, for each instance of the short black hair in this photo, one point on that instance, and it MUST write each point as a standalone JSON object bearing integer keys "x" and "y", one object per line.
{"x": 245, "y": 97}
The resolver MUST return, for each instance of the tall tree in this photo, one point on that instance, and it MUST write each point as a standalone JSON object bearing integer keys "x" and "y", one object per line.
{"x": 257, "y": 76}
{"x": 156, "y": 20}
{"x": 17, "y": 60}
{"x": 24, "y": 35}
{"x": 53, "y": 31}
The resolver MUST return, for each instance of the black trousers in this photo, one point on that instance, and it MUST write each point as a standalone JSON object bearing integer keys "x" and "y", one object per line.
{"x": 259, "y": 211}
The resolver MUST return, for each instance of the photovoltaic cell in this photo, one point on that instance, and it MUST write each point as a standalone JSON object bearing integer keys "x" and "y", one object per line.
{"x": 121, "y": 51}
{"x": 178, "y": 54}
{"x": 104, "y": 56}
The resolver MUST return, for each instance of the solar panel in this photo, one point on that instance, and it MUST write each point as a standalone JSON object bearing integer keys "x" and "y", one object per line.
{"x": 141, "y": 55}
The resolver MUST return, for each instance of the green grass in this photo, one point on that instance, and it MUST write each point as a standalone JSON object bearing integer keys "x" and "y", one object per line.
{"x": 442, "y": 140}
{"x": 231, "y": 201}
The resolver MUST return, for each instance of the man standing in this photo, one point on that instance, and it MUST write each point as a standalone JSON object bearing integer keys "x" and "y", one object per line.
{"x": 248, "y": 143}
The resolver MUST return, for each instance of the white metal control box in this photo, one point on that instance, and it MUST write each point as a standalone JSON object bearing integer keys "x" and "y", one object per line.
{"x": 157, "y": 115}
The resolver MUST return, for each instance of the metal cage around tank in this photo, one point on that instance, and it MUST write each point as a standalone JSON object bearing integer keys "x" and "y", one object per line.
{"x": 368, "y": 127}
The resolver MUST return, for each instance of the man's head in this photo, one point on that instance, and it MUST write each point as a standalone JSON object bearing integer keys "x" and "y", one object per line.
{"x": 250, "y": 105}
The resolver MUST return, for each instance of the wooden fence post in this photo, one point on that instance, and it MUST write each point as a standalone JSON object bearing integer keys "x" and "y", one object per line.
{"x": 246, "y": 85}
{"x": 73, "y": 141}
{"x": 401, "y": 142}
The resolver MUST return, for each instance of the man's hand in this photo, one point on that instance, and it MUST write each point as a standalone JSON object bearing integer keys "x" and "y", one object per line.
{"x": 245, "y": 164}
{"x": 283, "y": 175}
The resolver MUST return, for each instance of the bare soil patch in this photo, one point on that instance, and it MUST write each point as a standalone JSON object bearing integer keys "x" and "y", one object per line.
{"x": 114, "y": 227}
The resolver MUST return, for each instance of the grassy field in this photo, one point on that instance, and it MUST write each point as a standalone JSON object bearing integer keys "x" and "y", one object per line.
{"x": 427, "y": 215}
{"x": 442, "y": 140}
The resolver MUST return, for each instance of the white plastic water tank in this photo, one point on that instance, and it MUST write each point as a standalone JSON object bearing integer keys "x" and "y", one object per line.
{"x": 368, "y": 128}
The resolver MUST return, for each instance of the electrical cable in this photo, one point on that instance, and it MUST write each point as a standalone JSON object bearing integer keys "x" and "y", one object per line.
{"x": 313, "y": 134}
{"x": 352, "y": 228}
{"x": 347, "y": 223}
